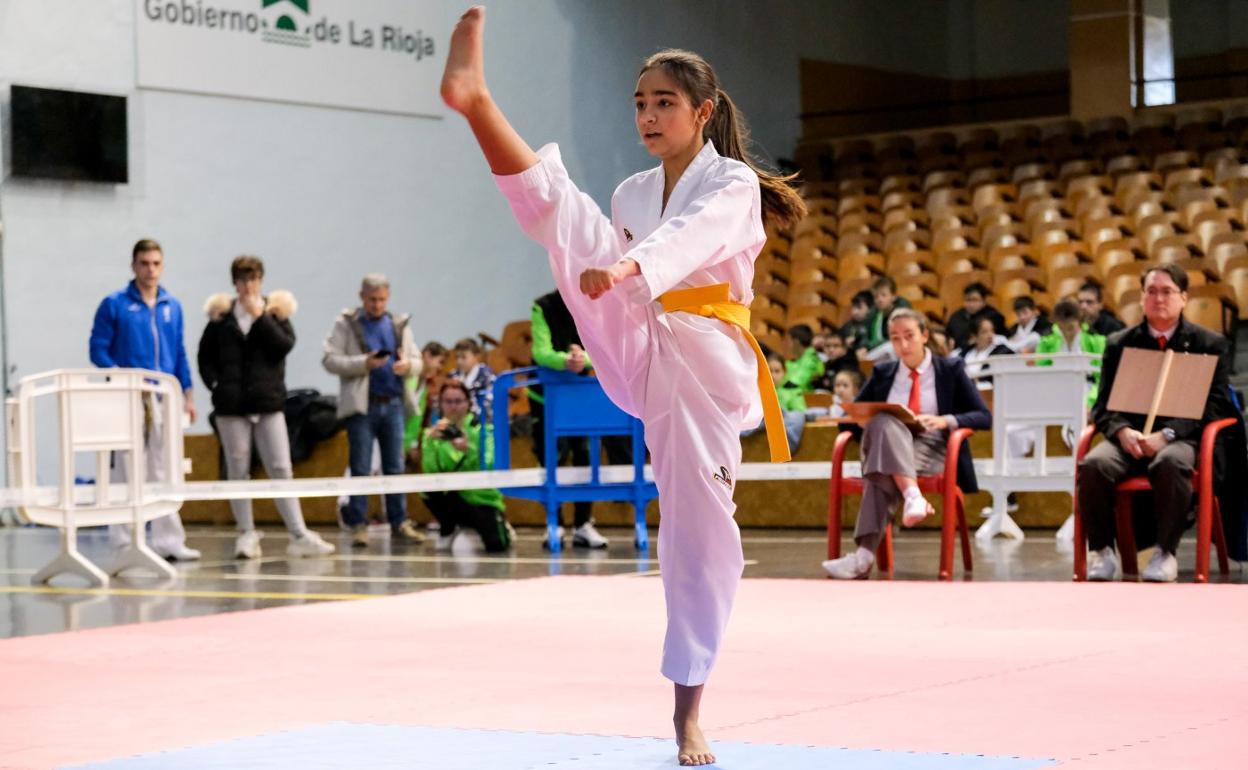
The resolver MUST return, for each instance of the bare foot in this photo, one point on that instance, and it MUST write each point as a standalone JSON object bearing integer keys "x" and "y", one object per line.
{"x": 463, "y": 81}
{"x": 691, "y": 746}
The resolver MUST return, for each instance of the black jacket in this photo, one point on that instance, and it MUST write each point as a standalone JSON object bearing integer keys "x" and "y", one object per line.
{"x": 955, "y": 395}
{"x": 246, "y": 374}
{"x": 962, "y": 325}
{"x": 1230, "y": 455}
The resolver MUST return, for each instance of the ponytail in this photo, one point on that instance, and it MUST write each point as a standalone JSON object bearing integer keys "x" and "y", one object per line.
{"x": 781, "y": 204}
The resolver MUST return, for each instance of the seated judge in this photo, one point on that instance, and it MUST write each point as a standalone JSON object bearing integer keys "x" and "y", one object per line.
{"x": 937, "y": 390}
{"x": 1168, "y": 454}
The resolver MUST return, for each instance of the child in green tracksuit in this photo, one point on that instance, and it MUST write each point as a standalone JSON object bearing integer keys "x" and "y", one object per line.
{"x": 805, "y": 365}
{"x": 453, "y": 445}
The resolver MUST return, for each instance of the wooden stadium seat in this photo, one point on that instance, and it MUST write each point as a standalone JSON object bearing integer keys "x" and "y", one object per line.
{"x": 984, "y": 171}
{"x": 1003, "y": 235}
{"x": 941, "y": 199}
{"x": 899, "y": 240}
{"x": 952, "y": 284}
{"x": 1173, "y": 248}
{"x": 1007, "y": 285}
{"x": 1117, "y": 252}
{"x": 916, "y": 287}
{"x": 1235, "y": 278}
{"x": 1225, "y": 246}
{"x": 813, "y": 271}
{"x": 1065, "y": 281}
{"x": 859, "y": 222}
{"x": 1165, "y": 162}
{"x": 813, "y": 224}
{"x": 856, "y": 266}
{"x": 900, "y": 183}
{"x": 813, "y": 293}
{"x": 996, "y": 214}
{"x": 905, "y": 217}
{"x": 1027, "y": 172}
{"x": 847, "y": 289}
{"x": 857, "y": 202}
{"x": 1133, "y": 182}
{"x": 1088, "y": 185}
{"x": 826, "y": 315}
{"x": 1153, "y": 228}
{"x": 1123, "y": 164}
{"x": 900, "y": 198}
{"x": 1011, "y": 257}
{"x": 1193, "y": 211}
{"x": 1094, "y": 232}
{"x": 1213, "y": 307}
{"x": 899, "y": 263}
{"x": 859, "y": 243}
{"x": 1058, "y": 255}
{"x": 960, "y": 261}
{"x": 1121, "y": 280}
{"x": 941, "y": 179}
{"x": 951, "y": 238}
{"x": 1053, "y": 231}
{"x": 933, "y": 308}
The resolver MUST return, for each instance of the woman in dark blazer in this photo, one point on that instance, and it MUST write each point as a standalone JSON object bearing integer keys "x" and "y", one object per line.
{"x": 242, "y": 360}
{"x": 943, "y": 398}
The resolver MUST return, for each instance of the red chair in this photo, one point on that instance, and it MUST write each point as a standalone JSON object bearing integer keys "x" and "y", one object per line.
{"x": 946, "y": 484}
{"x": 1208, "y": 510}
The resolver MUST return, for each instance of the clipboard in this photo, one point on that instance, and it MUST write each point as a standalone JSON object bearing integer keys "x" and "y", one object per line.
{"x": 1162, "y": 384}
{"x": 861, "y": 412}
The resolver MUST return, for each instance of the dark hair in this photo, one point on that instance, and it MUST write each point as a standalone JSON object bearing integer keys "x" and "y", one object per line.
{"x": 456, "y": 385}
{"x": 726, "y": 128}
{"x": 776, "y": 357}
{"x": 802, "y": 334}
{"x": 146, "y": 244}
{"x": 1176, "y": 273}
{"x": 433, "y": 348}
{"x": 863, "y": 297}
{"x": 245, "y": 267}
{"x": 985, "y": 320}
{"x": 1066, "y": 309}
{"x": 1093, "y": 287}
{"x": 882, "y": 281}
{"x": 854, "y": 374}
{"x": 830, "y": 333}
{"x": 468, "y": 344}
{"x": 975, "y": 288}
{"x": 1024, "y": 303}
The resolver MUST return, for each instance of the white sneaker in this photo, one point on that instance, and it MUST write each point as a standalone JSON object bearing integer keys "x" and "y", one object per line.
{"x": 178, "y": 553}
{"x": 848, "y": 568}
{"x": 247, "y": 546}
{"x": 1162, "y": 568}
{"x": 587, "y": 536}
{"x": 1102, "y": 565}
{"x": 445, "y": 542}
{"x": 467, "y": 543}
{"x": 915, "y": 510}
{"x": 310, "y": 544}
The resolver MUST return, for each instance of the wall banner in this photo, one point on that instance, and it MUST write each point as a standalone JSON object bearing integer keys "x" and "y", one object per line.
{"x": 381, "y": 55}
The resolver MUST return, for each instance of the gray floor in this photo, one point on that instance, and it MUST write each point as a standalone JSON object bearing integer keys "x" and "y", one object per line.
{"x": 221, "y": 583}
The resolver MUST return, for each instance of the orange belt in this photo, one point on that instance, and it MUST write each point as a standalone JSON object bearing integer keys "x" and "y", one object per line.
{"x": 715, "y": 302}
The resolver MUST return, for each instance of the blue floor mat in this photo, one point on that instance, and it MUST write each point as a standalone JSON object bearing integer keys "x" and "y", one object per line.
{"x": 387, "y": 747}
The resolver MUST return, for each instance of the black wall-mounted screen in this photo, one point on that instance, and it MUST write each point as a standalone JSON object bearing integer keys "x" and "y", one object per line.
{"x": 68, "y": 135}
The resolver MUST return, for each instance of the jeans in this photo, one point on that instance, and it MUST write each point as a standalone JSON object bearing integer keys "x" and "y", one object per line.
{"x": 384, "y": 422}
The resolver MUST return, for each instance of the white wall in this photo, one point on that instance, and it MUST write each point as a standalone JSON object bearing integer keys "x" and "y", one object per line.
{"x": 325, "y": 195}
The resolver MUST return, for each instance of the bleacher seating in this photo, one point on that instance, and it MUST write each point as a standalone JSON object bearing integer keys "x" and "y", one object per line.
{"x": 1024, "y": 209}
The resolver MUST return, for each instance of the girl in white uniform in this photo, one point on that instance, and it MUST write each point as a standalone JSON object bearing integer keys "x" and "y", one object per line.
{"x": 659, "y": 293}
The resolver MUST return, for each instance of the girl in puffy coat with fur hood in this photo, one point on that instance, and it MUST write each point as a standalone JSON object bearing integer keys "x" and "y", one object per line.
{"x": 242, "y": 360}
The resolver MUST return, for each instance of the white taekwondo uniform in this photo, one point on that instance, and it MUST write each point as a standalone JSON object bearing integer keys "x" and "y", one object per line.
{"x": 692, "y": 380}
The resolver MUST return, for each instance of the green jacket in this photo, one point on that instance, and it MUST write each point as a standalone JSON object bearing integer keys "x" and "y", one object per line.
{"x": 803, "y": 371}
{"x": 440, "y": 456}
{"x": 544, "y": 353}
{"x": 1089, "y": 342}
{"x": 792, "y": 399}
{"x": 877, "y": 334}
{"x": 420, "y": 398}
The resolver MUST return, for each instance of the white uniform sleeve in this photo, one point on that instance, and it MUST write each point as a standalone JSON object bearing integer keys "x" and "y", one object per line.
{"x": 564, "y": 220}
{"x": 723, "y": 221}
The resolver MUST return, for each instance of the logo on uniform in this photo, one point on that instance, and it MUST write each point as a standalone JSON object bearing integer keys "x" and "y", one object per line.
{"x": 723, "y": 476}
{"x": 627, "y": 235}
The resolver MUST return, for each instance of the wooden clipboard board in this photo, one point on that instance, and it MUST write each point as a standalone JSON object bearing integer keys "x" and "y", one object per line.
{"x": 1162, "y": 384}
{"x": 861, "y": 412}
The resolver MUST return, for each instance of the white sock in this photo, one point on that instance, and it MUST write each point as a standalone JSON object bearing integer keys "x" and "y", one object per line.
{"x": 865, "y": 557}
{"x": 911, "y": 493}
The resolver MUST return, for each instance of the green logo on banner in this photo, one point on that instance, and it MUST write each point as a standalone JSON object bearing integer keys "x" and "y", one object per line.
{"x": 285, "y": 30}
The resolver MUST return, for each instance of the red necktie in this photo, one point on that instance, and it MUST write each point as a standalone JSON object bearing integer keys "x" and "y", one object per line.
{"x": 1161, "y": 341}
{"x": 915, "y": 402}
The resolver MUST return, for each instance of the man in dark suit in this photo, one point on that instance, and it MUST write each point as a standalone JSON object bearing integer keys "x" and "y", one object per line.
{"x": 943, "y": 398}
{"x": 1168, "y": 454}
{"x": 1092, "y": 304}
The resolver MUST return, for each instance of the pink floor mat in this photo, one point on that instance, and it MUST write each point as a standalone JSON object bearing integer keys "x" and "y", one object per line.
{"x": 1105, "y": 676}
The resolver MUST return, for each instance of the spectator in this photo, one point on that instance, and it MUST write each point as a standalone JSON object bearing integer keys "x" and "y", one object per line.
{"x": 424, "y": 398}
{"x": 1168, "y": 454}
{"x": 372, "y": 352}
{"x": 884, "y": 292}
{"x": 836, "y": 357}
{"x": 141, "y": 327}
{"x": 1092, "y": 305}
{"x": 471, "y": 369}
{"x": 453, "y": 445}
{"x": 242, "y": 361}
{"x": 804, "y": 365}
{"x": 962, "y": 325}
{"x": 557, "y": 345}
{"x": 857, "y": 329}
{"x": 986, "y": 343}
{"x": 1070, "y": 334}
{"x": 845, "y": 386}
{"x": 1024, "y": 335}
{"x": 943, "y": 398}
{"x": 792, "y": 402}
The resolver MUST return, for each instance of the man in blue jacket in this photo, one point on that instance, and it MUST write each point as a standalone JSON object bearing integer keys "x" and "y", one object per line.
{"x": 140, "y": 327}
